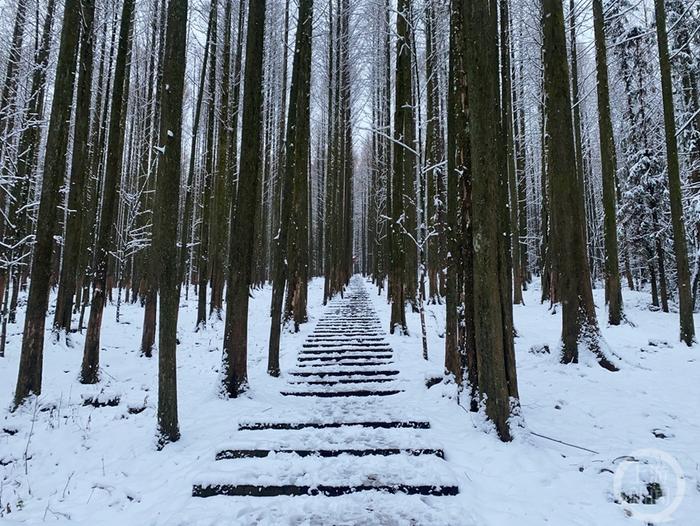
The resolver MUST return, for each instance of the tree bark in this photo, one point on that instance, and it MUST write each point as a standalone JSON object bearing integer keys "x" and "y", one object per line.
{"x": 79, "y": 168}
{"x": 89, "y": 373}
{"x": 167, "y": 200}
{"x": 242, "y": 236}
{"x": 609, "y": 164}
{"x": 31, "y": 358}
{"x": 579, "y": 323}
{"x": 687, "y": 326}
{"x": 295, "y": 167}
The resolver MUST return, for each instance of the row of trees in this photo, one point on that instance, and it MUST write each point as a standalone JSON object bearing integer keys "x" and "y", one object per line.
{"x": 450, "y": 149}
{"x": 502, "y": 128}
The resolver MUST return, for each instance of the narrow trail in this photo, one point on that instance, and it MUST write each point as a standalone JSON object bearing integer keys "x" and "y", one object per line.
{"x": 360, "y": 443}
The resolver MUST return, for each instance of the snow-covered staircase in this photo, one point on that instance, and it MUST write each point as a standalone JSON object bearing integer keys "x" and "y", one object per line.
{"x": 359, "y": 440}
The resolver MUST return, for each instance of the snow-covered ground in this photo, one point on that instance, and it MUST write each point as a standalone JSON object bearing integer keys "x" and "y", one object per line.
{"x": 62, "y": 461}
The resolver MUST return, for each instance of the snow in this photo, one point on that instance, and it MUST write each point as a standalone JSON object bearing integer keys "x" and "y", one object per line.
{"x": 62, "y": 461}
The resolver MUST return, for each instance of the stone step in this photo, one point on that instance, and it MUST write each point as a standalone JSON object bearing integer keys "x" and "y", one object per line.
{"x": 344, "y": 356}
{"x": 293, "y": 426}
{"x": 346, "y": 334}
{"x": 340, "y": 350}
{"x": 249, "y": 490}
{"x": 333, "y": 344}
{"x": 333, "y": 338}
{"x": 228, "y": 454}
{"x": 348, "y": 364}
{"x": 342, "y": 394}
{"x": 360, "y": 372}
{"x": 344, "y": 381}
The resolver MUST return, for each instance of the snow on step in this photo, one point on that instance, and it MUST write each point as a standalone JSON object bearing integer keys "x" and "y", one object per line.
{"x": 342, "y": 381}
{"x": 344, "y": 393}
{"x": 361, "y": 436}
{"x": 383, "y": 424}
{"x": 229, "y": 454}
{"x": 426, "y": 475}
{"x": 339, "y": 372}
{"x": 366, "y": 508}
{"x": 346, "y": 364}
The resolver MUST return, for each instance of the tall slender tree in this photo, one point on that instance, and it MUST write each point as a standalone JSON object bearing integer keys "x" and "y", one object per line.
{"x": 403, "y": 169}
{"x": 296, "y": 167}
{"x": 71, "y": 237}
{"x": 493, "y": 326}
{"x": 167, "y": 200}
{"x": 89, "y": 373}
{"x": 31, "y": 359}
{"x": 241, "y": 244}
{"x": 579, "y": 322}
{"x": 609, "y": 163}
{"x": 687, "y": 324}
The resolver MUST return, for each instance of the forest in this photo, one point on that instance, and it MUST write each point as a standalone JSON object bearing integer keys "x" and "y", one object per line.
{"x": 349, "y": 261}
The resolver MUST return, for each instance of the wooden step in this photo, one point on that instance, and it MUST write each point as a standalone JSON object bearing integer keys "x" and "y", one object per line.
{"x": 342, "y": 394}
{"x": 344, "y": 356}
{"x": 249, "y": 490}
{"x": 360, "y": 372}
{"x": 294, "y": 426}
{"x": 348, "y": 344}
{"x": 310, "y": 351}
{"x": 228, "y": 454}
{"x": 344, "y": 381}
{"x": 348, "y": 364}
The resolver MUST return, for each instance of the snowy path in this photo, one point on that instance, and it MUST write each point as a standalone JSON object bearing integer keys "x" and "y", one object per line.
{"x": 362, "y": 449}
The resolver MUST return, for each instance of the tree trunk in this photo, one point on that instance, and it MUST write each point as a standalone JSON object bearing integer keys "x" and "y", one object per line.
{"x": 609, "y": 163}
{"x": 115, "y": 148}
{"x": 31, "y": 359}
{"x": 167, "y": 200}
{"x": 687, "y": 326}
{"x": 507, "y": 126}
{"x": 493, "y": 330}
{"x": 79, "y": 168}
{"x": 242, "y": 236}
{"x": 579, "y": 323}
{"x": 295, "y": 167}
{"x": 208, "y": 177}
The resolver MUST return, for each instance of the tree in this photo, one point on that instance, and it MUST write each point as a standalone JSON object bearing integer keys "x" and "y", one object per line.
{"x": 403, "y": 170}
{"x": 207, "y": 181}
{"x": 295, "y": 168}
{"x": 242, "y": 236}
{"x": 167, "y": 200}
{"x": 609, "y": 162}
{"x": 493, "y": 325}
{"x": 687, "y": 326}
{"x": 460, "y": 354}
{"x": 434, "y": 160}
{"x": 105, "y": 233}
{"x": 79, "y": 168}
{"x": 579, "y": 323}
{"x": 221, "y": 198}
{"x": 31, "y": 359}
{"x": 507, "y": 126}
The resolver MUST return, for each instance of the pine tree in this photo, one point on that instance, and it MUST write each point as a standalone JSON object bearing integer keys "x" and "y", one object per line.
{"x": 167, "y": 200}
{"x": 403, "y": 172}
{"x": 71, "y": 238}
{"x": 493, "y": 329}
{"x": 113, "y": 170}
{"x": 687, "y": 326}
{"x": 579, "y": 323}
{"x": 295, "y": 167}
{"x": 241, "y": 235}
{"x": 31, "y": 359}
{"x": 609, "y": 163}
